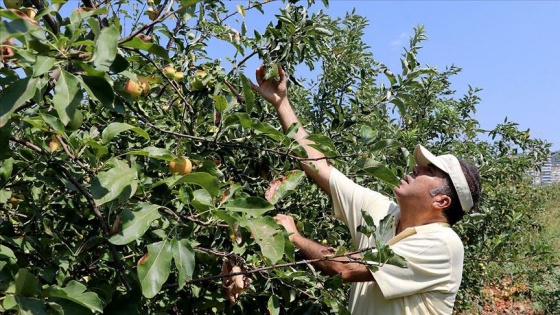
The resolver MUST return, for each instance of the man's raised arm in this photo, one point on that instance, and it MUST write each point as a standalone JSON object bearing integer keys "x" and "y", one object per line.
{"x": 276, "y": 92}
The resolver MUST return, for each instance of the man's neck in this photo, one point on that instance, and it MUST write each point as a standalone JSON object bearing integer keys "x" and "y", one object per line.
{"x": 417, "y": 218}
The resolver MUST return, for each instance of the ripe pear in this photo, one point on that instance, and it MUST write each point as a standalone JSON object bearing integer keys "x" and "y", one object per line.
{"x": 183, "y": 167}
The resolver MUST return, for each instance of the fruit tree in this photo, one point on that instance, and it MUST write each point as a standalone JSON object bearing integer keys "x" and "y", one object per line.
{"x": 139, "y": 173}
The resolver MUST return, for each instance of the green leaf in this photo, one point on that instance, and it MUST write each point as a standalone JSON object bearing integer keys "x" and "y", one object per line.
{"x": 25, "y": 305}
{"x": 100, "y": 90}
{"x": 220, "y": 102}
{"x": 120, "y": 64}
{"x": 6, "y": 254}
{"x": 369, "y": 228}
{"x": 390, "y": 76}
{"x": 281, "y": 187}
{"x": 135, "y": 223}
{"x": 15, "y": 96}
{"x": 188, "y": 3}
{"x": 43, "y": 65}
{"x": 67, "y": 96}
{"x": 210, "y": 183}
{"x": 183, "y": 255}
{"x": 156, "y": 153}
{"x": 254, "y": 206}
{"x": 26, "y": 283}
{"x": 50, "y": 120}
{"x": 248, "y": 94}
{"x": 266, "y": 234}
{"x": 153, "y": 48}
{"x": 76, "y": 292}
{"x": 397, "y": 260}
{"x": 154, "y": 268}
{"x": 15, "y": 28}
{"x": 5, "y": 134}
{"x": 119, "y": 182}
{"x": 367, "y": 135}
{"x": 273, "y": 305}
{"x": 400, "y": 105}
{"x": 116, "y": 128}
{"x": 375, "y": 168}
{"x": 383, "y": 145}
{"x": 105, "y": 49}
{"x": 268, "y": 130}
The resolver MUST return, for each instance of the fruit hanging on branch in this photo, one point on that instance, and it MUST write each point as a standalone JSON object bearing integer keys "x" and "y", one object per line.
{"x": 182, "y": 167}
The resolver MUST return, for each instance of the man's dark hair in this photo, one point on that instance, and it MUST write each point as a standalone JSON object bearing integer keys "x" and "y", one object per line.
{"x": 455, "y": 212}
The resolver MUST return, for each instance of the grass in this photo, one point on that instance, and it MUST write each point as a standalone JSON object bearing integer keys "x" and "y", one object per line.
{"x": 550, "y": 219}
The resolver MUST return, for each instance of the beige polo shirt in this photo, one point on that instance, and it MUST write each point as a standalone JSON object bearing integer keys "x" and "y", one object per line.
{"x": 434, "y": 255}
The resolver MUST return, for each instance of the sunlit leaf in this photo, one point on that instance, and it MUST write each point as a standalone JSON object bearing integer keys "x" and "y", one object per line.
{"x": 76, "y": 293}
{"x": 254, "y": 206}
{"x": 105, "y": 47}
{"x": 15, "y": 96}
{"x": 118, "y": 182}
{"x": 67, "y": 96}
{"x": 281, "y": 187}
{"x": 154, "y": 268}
{"x": 135, "y": 223}
{"x": 183, "y": 256}
{"x": 116, "y": 128}
{"x": 267, "y": 235}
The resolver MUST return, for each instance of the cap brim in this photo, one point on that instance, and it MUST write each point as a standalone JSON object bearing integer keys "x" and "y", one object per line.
{"x": 450, "y": 165}
{"x": 423, "y": 157}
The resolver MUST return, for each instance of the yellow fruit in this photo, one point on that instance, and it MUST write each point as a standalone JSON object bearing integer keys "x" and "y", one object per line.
{"x": 75, "y": 121}
{"x": 133, "y": 88}
{"x": 183, "y": 167}
{"x": 14, "y": 201}
{"x": 30, "y": 12}
{"x": 152, "y": 14}
{"x": 178, "y": 76}
{"x": 169, "y": 71}
{"x": 54, "y": 144}
{"x": 191, "y": 36}
{"x": 197, "y": 81}
{"x": 349, "y": 89}
{"x": 144, "y": 85}
{"x": 13, "y": 4}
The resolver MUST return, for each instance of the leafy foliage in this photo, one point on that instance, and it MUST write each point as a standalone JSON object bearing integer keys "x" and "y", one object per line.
{"x": 92, "y": 219}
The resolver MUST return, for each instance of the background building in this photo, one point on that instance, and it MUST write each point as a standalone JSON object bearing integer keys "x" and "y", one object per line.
{"x": 550, "y": 171}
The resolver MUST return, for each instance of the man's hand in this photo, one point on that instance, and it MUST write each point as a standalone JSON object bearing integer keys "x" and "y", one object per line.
{"x": 271, "y": 90}
{"x": 288, "y": 223}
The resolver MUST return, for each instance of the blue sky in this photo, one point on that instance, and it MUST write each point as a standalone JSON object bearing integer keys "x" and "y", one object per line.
{"x": 510, "y": 49}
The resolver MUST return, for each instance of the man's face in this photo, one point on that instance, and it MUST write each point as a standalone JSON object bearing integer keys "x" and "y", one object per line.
{"x": 414, "y": 189}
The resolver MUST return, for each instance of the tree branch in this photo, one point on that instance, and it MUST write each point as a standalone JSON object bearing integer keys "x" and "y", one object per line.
{"x": 91, "y": 203}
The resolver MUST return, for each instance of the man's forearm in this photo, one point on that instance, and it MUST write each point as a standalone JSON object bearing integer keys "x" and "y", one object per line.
{"x": 351, "y": 271}
{"x": 317, "y": 167}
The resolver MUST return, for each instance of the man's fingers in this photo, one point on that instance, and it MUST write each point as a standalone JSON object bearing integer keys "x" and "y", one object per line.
{"x": 253, "y": 86}
{"x": 281, "y": 73}
{"x": 259, "y": 74}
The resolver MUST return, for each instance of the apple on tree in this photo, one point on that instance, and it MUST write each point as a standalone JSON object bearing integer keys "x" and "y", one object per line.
{"x": 182, "y": 167}
{"x": 13, "y": 4}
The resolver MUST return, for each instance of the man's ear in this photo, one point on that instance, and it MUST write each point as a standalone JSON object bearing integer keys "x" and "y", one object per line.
{"x": 442, "y": 201}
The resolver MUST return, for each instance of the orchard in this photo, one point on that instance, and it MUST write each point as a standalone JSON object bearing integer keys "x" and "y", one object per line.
{"x": 139, "y": 173}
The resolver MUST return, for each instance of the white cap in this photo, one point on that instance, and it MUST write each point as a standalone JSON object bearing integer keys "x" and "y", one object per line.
{"x": 450, "y": 165}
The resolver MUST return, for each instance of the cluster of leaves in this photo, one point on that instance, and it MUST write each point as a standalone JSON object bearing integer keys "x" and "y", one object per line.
{"x": 92, "y": 218}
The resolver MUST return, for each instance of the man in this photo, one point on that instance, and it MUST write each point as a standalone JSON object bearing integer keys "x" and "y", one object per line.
{"x": 429, "y": 200}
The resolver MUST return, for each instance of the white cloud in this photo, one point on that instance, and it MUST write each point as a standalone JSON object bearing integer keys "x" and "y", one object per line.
{"x": 399, "y": 42}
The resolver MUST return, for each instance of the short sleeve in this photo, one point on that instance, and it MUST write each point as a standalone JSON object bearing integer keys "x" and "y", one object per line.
{"x": 435, "y": 263}
{"x": 349, "y": 199}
